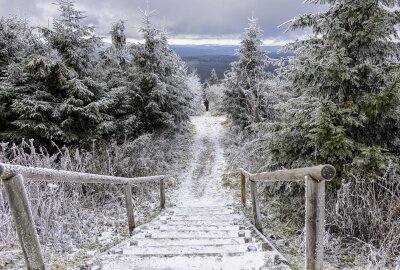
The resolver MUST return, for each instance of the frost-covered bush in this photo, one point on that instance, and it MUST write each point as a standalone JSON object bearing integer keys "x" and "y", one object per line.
{"x": 215, "y": 94}
{"x": 193, "y": 83}
{"x": 369, "y": 209}
{"x": 72, "y": 217}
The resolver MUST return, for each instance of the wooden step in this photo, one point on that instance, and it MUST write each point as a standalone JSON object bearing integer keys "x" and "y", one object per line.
{"x": 229, "y": 217}
{"x": 192, "y": 234}
{"x": 181, "y": 241}
{"x": 199, "y": 227}
{"x": 205, "y": 250}
{"x": 198, "y": 222}
{"x": 247, "y": 261}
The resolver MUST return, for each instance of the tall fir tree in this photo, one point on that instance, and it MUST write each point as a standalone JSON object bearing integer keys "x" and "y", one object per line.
{"x": 213, "y": 80}
{"x": 345, "y": 105}
{"x": 244, "y": 82}
{"x": 17, "y": 42}
{"x": 162, "y": 100}
{"x": 55, "y": 97}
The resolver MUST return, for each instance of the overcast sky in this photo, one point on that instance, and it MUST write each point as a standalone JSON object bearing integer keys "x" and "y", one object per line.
{"x": 187, "y": 21}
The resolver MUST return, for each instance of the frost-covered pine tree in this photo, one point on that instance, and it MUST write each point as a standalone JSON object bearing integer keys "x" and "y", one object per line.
{"x": 345, "y": 105}
{"x": 113, "y": 69}
{"x": 244, "y": 82}
{"x": 162, "y": 100}
{"x": 213, "y": 80}
{"x": 55, "y": 97}
{"x": 17, "y": 42}
{"x": 80, "y": 110}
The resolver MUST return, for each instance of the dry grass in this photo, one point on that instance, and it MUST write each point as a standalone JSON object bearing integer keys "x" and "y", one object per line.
{"x": 73, "y": 218}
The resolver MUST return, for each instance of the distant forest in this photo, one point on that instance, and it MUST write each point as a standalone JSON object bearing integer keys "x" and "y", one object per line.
{"x": 203, "y": 64}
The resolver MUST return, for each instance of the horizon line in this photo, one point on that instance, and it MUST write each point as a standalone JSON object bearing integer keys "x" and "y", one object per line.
{"x": 207, "y": 41}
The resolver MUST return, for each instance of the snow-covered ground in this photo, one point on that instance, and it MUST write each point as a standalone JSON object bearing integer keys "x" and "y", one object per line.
{"x": 202, "y": 184}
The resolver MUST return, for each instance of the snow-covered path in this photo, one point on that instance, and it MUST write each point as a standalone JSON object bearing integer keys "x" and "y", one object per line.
{"x": 204, "y": 230}
{"x": 202, "y": 184}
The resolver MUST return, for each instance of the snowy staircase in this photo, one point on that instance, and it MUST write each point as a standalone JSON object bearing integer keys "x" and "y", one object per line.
{"x": 194, "y": 238}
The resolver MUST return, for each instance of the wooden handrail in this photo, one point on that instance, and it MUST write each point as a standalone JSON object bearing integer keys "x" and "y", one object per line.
{"x": 319, "y": 173}
{"x": 315, "y": 204}
{"x": 50, "y": 175}
{"x": 12, "y": 177}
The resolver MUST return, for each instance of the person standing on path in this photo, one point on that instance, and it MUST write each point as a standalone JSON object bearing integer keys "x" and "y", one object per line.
{"x": 206, "y": 103}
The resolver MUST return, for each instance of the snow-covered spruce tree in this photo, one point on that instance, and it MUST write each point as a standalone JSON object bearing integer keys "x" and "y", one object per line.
{"x": 244, "y": 82}
{"x": 345, "y": 109}
{"x": 81, "y": 112}
{"x": 17, "y": 41}
{"x": 162, "y": 100}
{"x": 113, "y": 69}
{"x": 55, "y": 97}
{"x": 213, "y": 80}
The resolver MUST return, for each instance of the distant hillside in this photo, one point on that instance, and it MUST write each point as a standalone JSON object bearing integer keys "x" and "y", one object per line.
{"x": 207, "y": 50}
{"x": 203, "y": 64}
{"x": 203, "y": 59}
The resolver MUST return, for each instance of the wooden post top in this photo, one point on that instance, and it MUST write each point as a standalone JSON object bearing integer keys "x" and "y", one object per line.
{"x": 319, "y": 173}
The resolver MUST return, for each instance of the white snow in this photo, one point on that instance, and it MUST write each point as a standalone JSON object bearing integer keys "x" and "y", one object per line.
{"x": 202, "y": 185}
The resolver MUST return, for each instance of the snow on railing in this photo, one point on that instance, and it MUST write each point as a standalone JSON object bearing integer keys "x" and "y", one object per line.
{"x": 12, "y": 177}
{"x": 315, "y": 178}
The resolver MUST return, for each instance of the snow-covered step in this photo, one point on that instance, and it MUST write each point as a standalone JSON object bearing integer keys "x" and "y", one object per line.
{"x": 211, "y": 211}
{"x": 207, "y": 250}
{"x": 194, "y": 238}
{"x": 201, "y": 227}
{"x": 202, "y": 217}
{"x": 198, "y": 222}
{"x": 248, "y": 261}
{"x": 179, "y": 241}
{"x": 194, "y": 234}
{"x": 203, "y": 213}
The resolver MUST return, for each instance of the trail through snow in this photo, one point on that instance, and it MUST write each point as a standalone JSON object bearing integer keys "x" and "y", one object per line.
{"x": 202, "y": 184}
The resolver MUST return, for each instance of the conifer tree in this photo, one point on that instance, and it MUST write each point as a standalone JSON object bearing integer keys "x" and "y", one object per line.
{"x": 55, "y": 97}
{"x": 17, "y": 41}
{"x": 213, "y": 80}
{"x": 81, "y": 113}
{"x": 163, "y": 100}
{"x": 345, "y": 105}
{"x": 244, "y": 82}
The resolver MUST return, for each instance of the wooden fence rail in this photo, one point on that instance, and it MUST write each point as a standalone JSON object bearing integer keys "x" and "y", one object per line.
{"x": 315, "y": 178}
{"x": 12, "y": 177}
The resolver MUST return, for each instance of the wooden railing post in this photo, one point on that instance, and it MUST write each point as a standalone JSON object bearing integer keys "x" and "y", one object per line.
{"x": 129, "y": 208}
{"x": 315, "y": 223}
{"x": 25, "y": 226}
{"x": 243, "y": 188}
{"x": 162, "y": 193}
{"x": 256, "y": 209}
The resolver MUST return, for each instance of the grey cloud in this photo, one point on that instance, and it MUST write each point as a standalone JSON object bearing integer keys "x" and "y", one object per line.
{"x": 183, "y": 18}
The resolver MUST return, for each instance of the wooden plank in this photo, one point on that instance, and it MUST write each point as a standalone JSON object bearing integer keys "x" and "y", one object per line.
{"x": 243, "y": 188}
{"x": 256, "y": 209}
{"x": 50, "y": 175}
{"x": 129, "y": 208}
{"x": 24, "y": 224}
{"x": 315, "y": 223}
{"x": 318, "y": 173}
{"x": 162, "y": 194}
